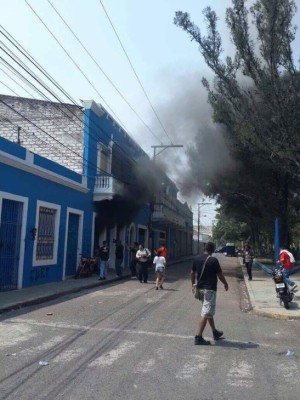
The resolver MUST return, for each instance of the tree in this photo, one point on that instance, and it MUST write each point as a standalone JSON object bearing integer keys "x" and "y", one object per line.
{"x": 263, "y": 116}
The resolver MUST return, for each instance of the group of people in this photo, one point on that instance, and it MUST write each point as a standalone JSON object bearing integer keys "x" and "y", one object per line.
{"x": 140, "y": 260}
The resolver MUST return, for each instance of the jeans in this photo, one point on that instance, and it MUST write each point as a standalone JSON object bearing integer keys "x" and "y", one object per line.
{"x": 103, "y": 268}
{"x": 119, "y": 266}
{"x": 133, "y": 267}
{"x": 286, "y": 276}
{"x": 249, "y": 269}
{"x": 143, "y": 271}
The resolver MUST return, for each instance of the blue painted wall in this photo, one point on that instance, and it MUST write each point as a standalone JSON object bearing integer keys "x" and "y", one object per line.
{"x": 19, "y": 182}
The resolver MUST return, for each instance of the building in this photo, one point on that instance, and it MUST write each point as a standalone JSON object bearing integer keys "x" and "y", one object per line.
{"x": 45, "y": 212}
{"x": 130, "y": 198}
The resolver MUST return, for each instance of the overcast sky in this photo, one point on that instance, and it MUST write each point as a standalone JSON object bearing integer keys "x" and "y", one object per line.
{"x": 167, "y": 62}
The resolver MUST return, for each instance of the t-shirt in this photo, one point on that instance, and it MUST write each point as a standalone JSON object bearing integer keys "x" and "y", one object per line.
{"x": 286, "y": 260}
{"x": 159, "y": 262}
{"x": 163, "y": 251}
{"x": 104, "y": 253}
{"x": 209, "y": 277}
{"x": 119, "y": 251}
{"x": 143, "y": 255}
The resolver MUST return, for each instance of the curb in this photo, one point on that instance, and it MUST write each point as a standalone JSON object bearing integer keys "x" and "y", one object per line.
{"x": 53, "y": 296}
{"x": 264, "y": 313}
{"x": 44, "y": 299}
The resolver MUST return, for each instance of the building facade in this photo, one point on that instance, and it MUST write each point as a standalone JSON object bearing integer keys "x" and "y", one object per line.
{"x": 124, "y": 197}
{"x": 45, "y": 212}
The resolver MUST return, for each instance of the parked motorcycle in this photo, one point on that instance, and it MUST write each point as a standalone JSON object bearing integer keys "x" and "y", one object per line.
{"x": 282, "y": 289}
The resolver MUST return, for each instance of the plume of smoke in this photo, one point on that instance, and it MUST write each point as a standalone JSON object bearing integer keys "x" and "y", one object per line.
{"x": 205, "y": 156}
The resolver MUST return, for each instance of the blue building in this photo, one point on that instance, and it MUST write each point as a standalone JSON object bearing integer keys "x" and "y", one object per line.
{"x": 105, "y": 188}
{"x": 45, "y": 212}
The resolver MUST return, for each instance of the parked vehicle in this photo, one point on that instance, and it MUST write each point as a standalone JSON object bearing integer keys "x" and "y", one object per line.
{"x": 282, "y": 290}
{"x": 230, "y": 250}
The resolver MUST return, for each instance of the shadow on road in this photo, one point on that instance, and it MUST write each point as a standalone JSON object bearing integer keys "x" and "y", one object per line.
{"x": 236, "y": 344}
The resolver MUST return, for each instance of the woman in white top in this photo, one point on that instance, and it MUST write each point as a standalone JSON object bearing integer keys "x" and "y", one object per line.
{"x": 160, "y": 266}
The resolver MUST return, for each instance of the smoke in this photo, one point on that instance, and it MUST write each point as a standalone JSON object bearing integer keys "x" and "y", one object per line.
{"x": 131, "y": 196}
{"x": 205, "y": 155}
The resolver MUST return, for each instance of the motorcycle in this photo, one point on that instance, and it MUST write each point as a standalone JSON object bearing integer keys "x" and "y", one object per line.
{"x": 282, "y": 290}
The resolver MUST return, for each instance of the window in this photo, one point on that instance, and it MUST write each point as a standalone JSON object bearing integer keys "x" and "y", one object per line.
{"x": 47, "y": 234}
{"x": 103, "y": 159}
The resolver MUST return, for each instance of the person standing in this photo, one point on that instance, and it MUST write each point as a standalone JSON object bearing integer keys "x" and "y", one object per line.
{"x": 287, "y": 260}
{"x": 160, "y": 266}
{"x": 104, "y": 257}
{"x": 143, "y": 256}
{"x": 133, "y": 260}
{"x": 248, "y": 261}
{"x": 208, "y": 271}
{"x": 119, "y": 258}
{"x": 163, "y": 251}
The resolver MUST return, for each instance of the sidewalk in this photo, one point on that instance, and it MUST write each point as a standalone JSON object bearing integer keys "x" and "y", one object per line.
{"x": 16, "y": 299}
{"x": 262, "y": 293}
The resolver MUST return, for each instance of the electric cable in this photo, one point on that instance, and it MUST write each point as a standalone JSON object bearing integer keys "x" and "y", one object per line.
{"x": 74, "y": 62}
{"x": 103, "y": 72}
{"x": 134, "y": 71}
{"x": 29, "y": 57}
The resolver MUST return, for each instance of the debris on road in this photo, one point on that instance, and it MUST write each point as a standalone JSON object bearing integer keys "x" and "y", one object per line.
{"x": 43, "y": 363}
{"x": 290, "y": 353}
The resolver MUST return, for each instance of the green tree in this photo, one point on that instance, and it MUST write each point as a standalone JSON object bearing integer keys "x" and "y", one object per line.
{"x": 263, "y": 116}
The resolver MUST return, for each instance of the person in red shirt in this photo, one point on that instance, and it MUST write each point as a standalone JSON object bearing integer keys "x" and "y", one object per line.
{"x": 162, "y": 250}
{"x": 286, "y": 261}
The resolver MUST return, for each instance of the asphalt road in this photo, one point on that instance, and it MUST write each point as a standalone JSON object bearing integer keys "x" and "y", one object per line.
{"x": 128, "y": 341}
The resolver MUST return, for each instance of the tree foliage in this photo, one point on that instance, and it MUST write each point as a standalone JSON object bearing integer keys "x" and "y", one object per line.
{"x": 256, "y": 95}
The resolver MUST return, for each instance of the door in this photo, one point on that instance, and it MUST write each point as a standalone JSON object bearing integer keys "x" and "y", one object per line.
{"x": 10, "y": 241}
{"x": 72, "y": 244}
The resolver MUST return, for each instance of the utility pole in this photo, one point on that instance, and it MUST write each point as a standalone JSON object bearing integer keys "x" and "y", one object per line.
{"x": 199, "y": 207}
{"x": 163, "y": 147}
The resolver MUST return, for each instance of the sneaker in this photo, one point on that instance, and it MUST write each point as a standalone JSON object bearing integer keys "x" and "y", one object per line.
{"x": 217, "y": 334}
{"x": 156, "y": 288}
{"x": 161, "y": 286}
{"x": 201, "y": 342}
{"x": 294, "y": 286}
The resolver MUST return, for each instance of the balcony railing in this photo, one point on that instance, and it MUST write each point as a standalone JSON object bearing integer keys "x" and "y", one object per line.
{"x": 164, "y": 214}
{"x": 106, "y": 187}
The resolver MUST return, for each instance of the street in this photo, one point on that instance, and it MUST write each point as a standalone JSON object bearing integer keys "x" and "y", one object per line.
{"x": 128, "y": 341}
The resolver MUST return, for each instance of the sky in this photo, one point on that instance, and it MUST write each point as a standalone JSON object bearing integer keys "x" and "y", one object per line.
{"x": 168, "y": 64}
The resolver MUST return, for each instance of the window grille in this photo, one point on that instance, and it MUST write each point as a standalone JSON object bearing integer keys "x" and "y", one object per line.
{"x": 46, "y": 232}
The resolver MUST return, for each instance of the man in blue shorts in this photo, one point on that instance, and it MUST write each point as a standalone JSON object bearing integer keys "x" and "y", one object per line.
{"x": 208, "y": 271}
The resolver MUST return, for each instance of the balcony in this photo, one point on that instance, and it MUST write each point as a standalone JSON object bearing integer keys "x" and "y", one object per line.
{"x": 168, "y": 216}
{"x": 106, "y": 187}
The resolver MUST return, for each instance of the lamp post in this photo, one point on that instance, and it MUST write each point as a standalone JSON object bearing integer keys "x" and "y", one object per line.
{"x": 199, "y": 207}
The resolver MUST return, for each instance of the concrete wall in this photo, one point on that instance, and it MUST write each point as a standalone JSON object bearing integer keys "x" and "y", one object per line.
{"x": 63, "y": 122}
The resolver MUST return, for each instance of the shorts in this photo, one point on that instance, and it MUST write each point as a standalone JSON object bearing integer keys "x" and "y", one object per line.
{"x": 209, "y": 303}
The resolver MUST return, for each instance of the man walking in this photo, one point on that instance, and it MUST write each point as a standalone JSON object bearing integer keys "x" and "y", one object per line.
{"x": 208, "y": 271}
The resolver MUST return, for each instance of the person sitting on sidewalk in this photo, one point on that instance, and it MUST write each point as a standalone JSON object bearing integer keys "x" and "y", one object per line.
{"x": 286, "y": 261}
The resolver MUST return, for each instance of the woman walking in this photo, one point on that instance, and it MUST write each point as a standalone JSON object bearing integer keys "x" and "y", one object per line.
{"x": 160, "y": 266}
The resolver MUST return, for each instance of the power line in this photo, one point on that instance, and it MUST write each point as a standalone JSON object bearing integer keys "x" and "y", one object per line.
{"x": 32, "y": 74}
{"x": 25, "y": 90}
{"x": 103, "y": 72}
{"x": 72, "y": 59}
{"x": 4, "y": 84}
{"x": 134, "y": 71}
{"x": 56, "y": 140}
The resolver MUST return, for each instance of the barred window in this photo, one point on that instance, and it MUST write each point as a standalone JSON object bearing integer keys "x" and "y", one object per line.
{"x": 46, "y": 234}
